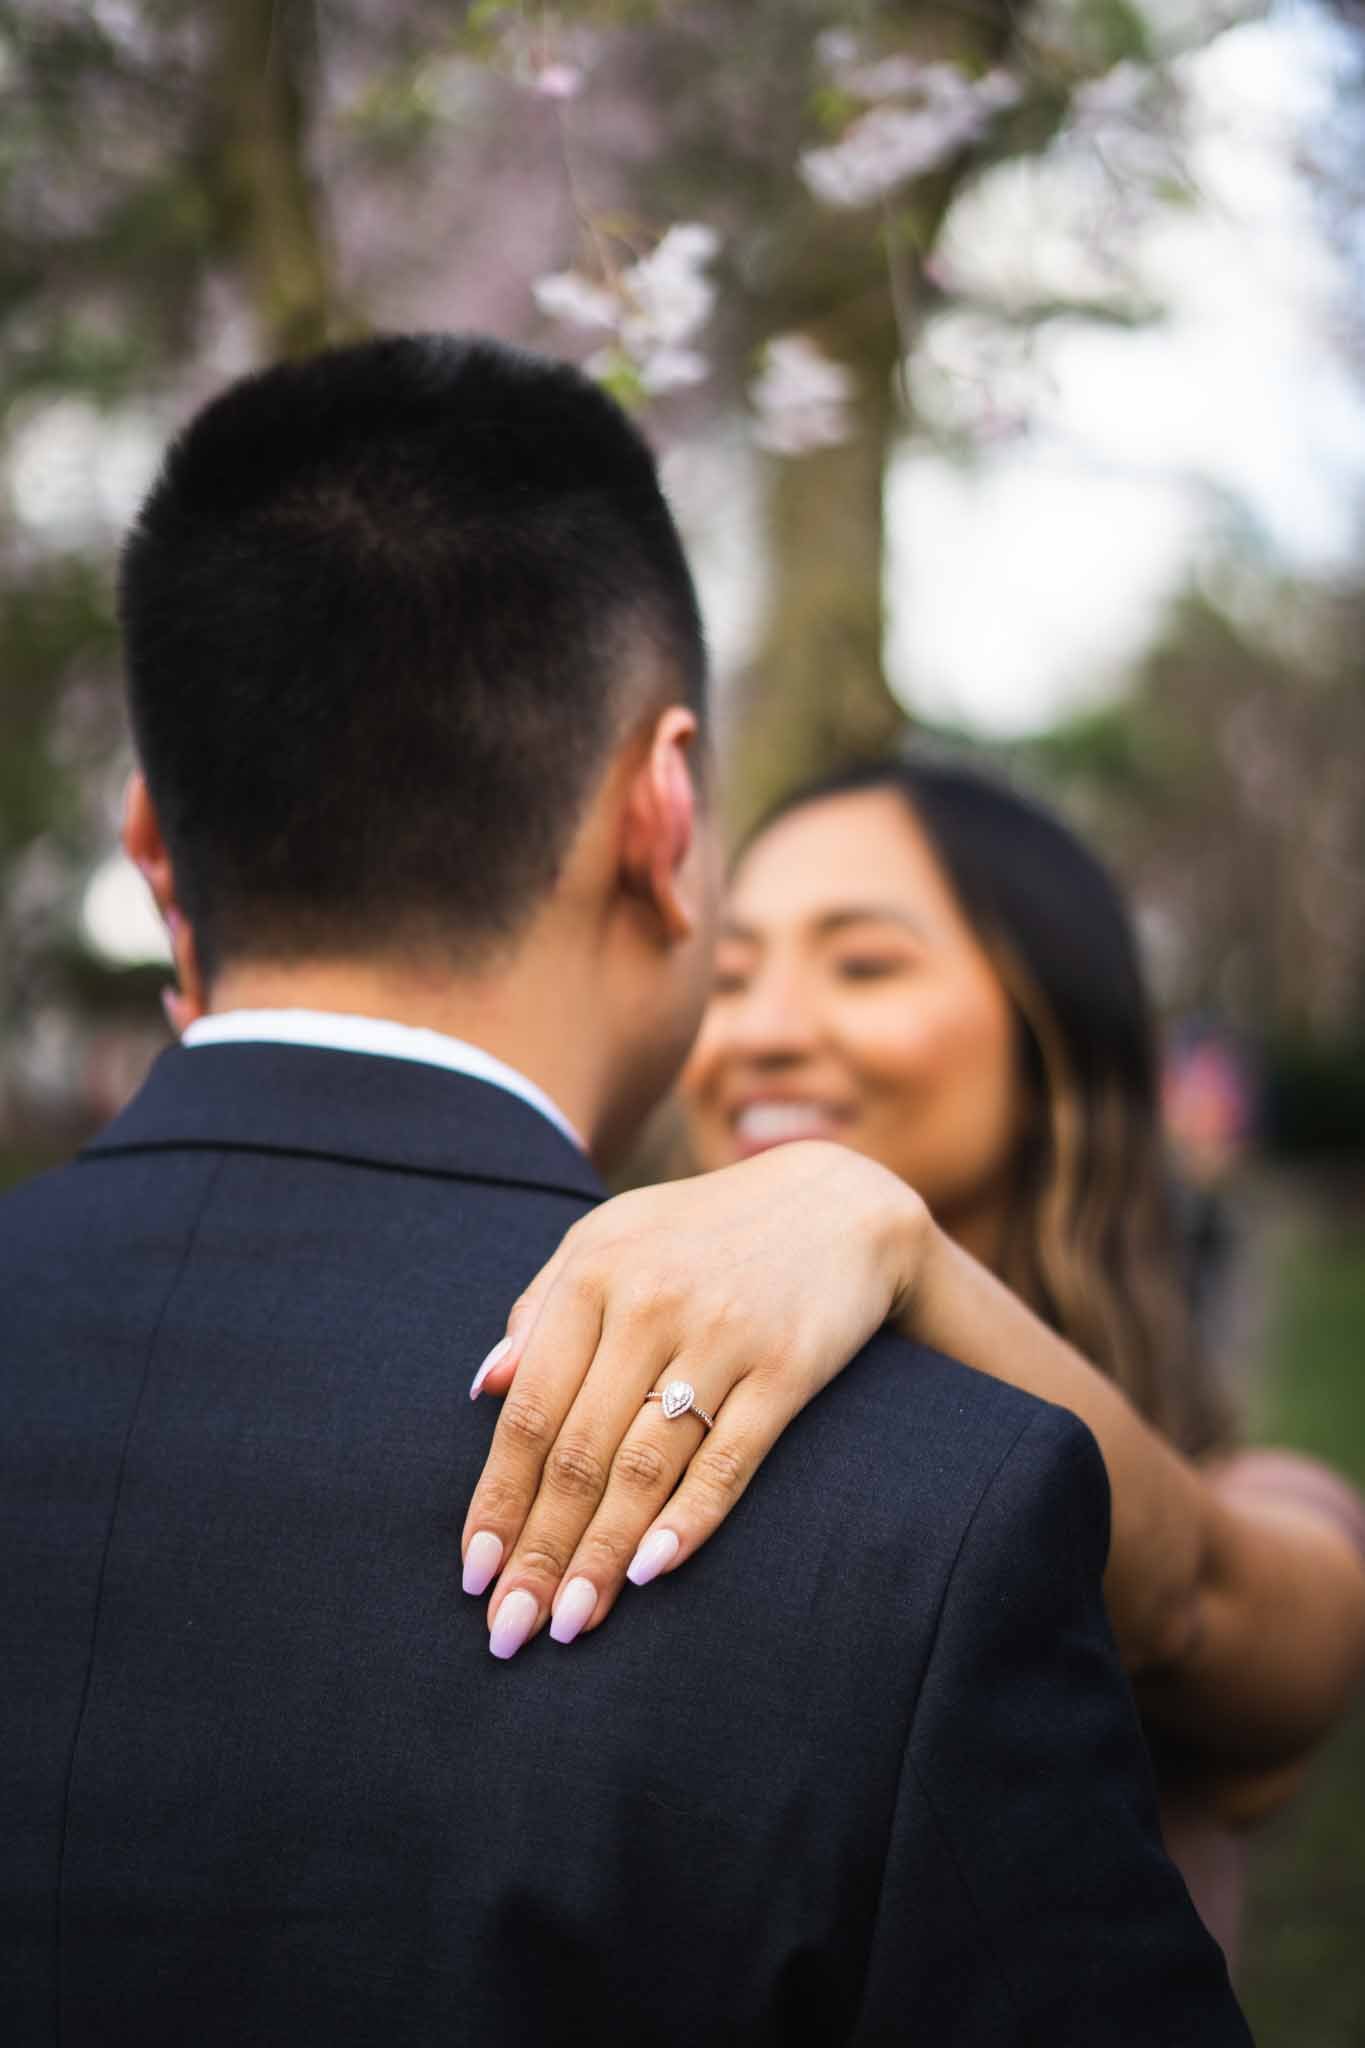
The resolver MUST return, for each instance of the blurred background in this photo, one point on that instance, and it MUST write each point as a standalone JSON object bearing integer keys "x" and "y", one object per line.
{"x": 1007, "y": 365}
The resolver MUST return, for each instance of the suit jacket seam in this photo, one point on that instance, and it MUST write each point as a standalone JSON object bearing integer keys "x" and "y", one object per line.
{"x": 191, "y": 1238}
{"x": 907, "y": 1759}
{"x": 97, "y": 1156}
{"x": 1066, "y": 1453}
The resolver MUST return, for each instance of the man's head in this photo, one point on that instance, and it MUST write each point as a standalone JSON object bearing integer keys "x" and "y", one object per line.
{"x": 400, "y": 621}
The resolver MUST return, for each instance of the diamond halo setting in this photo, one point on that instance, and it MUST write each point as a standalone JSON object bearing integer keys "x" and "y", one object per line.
{"x": 679, "y": 1398}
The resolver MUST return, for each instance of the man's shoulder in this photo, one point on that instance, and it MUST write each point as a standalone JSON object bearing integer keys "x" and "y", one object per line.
{"x": 904, "y": 1407}
{"x": 890, "y": 1466}
{"x": 34, "y": 1204}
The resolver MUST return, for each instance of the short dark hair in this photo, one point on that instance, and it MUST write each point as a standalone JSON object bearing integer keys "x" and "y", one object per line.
{"x": 385, "y": 613}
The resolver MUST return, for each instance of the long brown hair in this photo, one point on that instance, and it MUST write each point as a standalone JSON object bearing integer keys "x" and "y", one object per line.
{"x": 1090, "y": 1242}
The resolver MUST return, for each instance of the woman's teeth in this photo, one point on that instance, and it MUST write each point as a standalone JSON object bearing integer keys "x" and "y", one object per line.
{"x": 767, "y": 1123}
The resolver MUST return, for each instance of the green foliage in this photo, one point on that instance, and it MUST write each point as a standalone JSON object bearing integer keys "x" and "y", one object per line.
{"x": 1304, "y": 1978}
{"x": 57, "y": 627}
{"x": 395, "y": 118}
{"x": 78, "y": 351}
{"x": 1316, "y": 1099}
{"x": 1096, "y": 34}
{"x": 1222, "y": 790}
{"x": 1103, "y": 747}
{"x": 830, "y": 109}
{"x": 1314, "y": 1399}
{"x": 620, "y": 376}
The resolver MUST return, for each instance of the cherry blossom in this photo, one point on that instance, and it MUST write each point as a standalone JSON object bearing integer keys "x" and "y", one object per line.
{"x": 654, "y": 309}
{"x": 1116, "y": 95}
{"x": 569, "y": 296}
{"x": 668, "y": 296}
{"x": 891, "y": 144}
{"x": 801, "y": 398}
{"x": 557, "y": 81}
{"x": 544, "y": 54}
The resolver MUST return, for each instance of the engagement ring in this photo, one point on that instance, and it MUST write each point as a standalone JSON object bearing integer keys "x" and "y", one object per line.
{"x": 679, "y": 1398}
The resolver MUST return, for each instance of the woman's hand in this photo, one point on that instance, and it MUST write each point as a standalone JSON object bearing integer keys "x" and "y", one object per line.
{"x": 756, "y": 1285}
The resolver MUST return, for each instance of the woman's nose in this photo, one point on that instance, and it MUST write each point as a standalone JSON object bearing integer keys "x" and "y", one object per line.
{"x": 772, "y": 1022}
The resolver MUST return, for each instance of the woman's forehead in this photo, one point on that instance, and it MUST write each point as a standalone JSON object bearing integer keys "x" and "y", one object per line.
{"x": 860, "y": 851}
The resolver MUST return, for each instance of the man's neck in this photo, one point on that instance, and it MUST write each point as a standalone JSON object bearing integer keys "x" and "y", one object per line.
{"x": 519, "y": 1016}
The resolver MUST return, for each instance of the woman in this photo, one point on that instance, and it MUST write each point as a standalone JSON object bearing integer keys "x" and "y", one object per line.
{"x": 920, "y": 968}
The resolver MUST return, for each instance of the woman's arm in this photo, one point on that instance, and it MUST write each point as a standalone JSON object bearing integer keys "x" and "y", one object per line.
{"x": 1239, "y": 1608}
{"x": 1241, "y": 1619}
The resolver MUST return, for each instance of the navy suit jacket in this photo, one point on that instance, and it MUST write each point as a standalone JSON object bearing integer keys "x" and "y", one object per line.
{"x": 866, "y": 1770}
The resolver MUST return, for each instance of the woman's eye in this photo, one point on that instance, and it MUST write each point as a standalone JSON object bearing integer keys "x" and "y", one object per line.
{"x": 727, "y": 984}
{"x": 868, "y": 966}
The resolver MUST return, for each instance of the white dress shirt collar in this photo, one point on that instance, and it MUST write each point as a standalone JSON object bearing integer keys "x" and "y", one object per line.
{"x": 337, "y": 1031}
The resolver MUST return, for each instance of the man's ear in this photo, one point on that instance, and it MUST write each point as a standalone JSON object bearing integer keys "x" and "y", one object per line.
{"x": 147, "y": 850}
{"x": 660, "y": 825}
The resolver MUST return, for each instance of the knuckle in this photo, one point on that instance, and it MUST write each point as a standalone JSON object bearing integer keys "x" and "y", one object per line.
{"x": 641, "y": 1466}
{"x": 541, "y": 1559}
{"x": 723, "y": 1317}
{"x": 497, "y": 1502}
{"x": 769, "y": 1368}
{"x": 524, "y": 1421}
{"x": 575, "y": 1471}
{"x": 582, "y": 1282}
{"x": 648, "y": 1296}
{"x": 721, "y": 1470}
{"x": 611, "y": 1549}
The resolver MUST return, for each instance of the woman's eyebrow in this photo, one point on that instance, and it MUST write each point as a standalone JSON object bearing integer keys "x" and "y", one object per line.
{"x": 828, "y": 922}
{"x": 868, "y": 913}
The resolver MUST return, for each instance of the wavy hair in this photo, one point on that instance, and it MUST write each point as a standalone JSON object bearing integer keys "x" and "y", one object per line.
{"x": 1090, "y": 1241}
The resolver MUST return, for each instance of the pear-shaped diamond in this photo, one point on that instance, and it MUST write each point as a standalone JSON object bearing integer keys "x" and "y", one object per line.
{"x": 677, "y": 1397}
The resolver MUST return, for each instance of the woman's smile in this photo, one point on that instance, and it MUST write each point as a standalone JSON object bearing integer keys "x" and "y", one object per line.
{"x": 759, "y": 1121}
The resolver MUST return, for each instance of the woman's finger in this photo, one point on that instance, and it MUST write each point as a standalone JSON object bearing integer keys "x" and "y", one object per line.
{"x": 575, "y": 1473}
{"x": 498, "y": 1369}
{"x": 555, "y": 1355}
{"x": 640, "y": 1532}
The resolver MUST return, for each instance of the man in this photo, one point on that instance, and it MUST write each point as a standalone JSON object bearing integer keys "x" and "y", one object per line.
{"x": 417, "y": 688}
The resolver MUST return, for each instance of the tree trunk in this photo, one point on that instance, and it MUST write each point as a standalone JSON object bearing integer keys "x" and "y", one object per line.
{"x": 815, "y": 695}
{"x": 266, "y": 63}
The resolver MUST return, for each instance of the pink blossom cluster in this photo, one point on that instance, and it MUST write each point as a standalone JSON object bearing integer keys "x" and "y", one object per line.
{"x": 801, "y": 398}
{"x": 653, "y": 310}
{"x": 922, "y": 115}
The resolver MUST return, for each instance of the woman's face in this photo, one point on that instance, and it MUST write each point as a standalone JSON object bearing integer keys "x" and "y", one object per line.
{"x": 853, "y": 1001}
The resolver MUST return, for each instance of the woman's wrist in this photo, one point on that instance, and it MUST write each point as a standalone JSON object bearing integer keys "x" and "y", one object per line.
{"x": 890, "y": 1220}
{"x": 909, "y": 1234}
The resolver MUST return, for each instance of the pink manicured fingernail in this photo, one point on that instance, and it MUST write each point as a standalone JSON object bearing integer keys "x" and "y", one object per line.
{"x": 495, "y": 1357}
{"x": 654, "y": 1553}
{"x": 481, "y": 1561}
{"x": 516, "y": 1619}
{"x": 574, "y": 1611}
